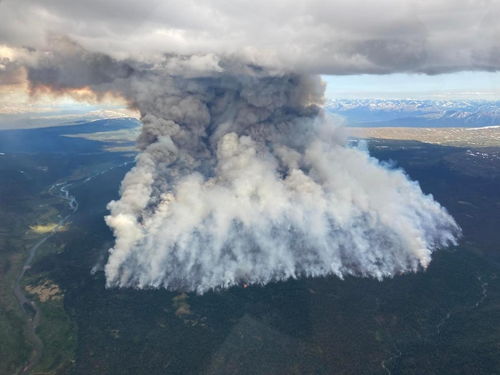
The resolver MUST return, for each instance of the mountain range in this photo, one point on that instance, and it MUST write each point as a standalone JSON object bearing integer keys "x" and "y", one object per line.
{"x": 415, "y": 113}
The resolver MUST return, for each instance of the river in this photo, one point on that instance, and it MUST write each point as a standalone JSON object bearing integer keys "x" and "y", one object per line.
{"x": 29, "y": 307}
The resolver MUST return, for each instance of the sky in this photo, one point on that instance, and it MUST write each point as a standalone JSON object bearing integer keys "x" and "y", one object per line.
{"x": 452, "y": 86}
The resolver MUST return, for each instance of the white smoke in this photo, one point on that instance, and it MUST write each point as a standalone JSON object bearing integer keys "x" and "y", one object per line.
{"x": 243, "y": 179}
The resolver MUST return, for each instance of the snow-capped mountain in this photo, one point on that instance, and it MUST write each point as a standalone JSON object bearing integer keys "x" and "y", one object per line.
{"x": 416, "y": 113}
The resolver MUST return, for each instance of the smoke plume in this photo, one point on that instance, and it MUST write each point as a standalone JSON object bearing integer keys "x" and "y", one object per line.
{"x": 241, "y": 178}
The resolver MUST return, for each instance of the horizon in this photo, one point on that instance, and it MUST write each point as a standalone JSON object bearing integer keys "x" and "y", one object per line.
{"x": 451, "y": 87}
{"x": 468, "y": 85}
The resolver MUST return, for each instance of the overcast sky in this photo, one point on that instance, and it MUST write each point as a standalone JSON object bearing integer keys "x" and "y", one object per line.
{"x": 320, "y": 36}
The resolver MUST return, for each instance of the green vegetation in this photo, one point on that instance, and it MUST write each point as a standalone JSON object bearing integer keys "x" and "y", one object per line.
{"x": 58, "y": 333}
{"x": 18, "y": 209}
{"x": 25, "y": 205}
{"x": 14, "y": 349}
{"x": 441, "y": 321}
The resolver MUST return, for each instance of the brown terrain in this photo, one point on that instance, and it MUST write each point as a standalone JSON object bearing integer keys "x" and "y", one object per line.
{"x": 461, "y": 137}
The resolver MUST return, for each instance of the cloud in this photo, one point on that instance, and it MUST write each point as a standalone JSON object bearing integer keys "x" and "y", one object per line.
{"x": 325, "y": 37}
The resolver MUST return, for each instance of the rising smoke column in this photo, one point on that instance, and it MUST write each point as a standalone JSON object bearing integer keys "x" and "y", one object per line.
{"x": 241, "y": 177}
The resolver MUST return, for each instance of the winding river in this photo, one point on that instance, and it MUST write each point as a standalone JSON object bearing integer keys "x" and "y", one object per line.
{"x": 29, "y": 307}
